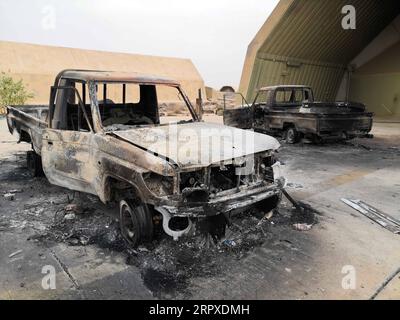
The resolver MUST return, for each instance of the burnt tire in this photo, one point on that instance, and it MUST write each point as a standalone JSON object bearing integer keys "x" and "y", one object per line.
{"x": 34, "y": 164}
{"x": 136, "y": 222}
{"x": 291, "y": 135}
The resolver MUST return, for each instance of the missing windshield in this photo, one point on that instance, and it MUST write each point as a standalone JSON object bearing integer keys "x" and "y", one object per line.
{"x": 124, "y": 105}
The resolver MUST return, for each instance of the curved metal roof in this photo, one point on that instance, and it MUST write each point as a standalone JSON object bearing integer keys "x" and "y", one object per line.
{"x": 303, "y": 42}
{"x": 312, "y": 30}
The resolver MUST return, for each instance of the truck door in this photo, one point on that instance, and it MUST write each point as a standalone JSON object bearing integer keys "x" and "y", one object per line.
{"x": 66, "y": 147}
{"x": 286, "y": 104}
{"x": 239, "y": 117}
{"x": 262, "y": 106}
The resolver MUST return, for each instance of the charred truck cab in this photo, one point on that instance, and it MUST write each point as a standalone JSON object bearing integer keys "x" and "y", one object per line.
{"x": 102, "y": 134}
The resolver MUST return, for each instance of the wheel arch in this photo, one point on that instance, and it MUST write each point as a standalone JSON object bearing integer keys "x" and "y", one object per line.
{"x": 115, "y": 188}
{"x": 289, "y": 124}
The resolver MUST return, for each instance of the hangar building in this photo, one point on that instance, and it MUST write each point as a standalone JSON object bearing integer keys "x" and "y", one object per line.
{"x": 303, "y": 42}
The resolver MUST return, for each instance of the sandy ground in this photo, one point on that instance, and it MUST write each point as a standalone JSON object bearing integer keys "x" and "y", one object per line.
{"x": 91, "y": 262}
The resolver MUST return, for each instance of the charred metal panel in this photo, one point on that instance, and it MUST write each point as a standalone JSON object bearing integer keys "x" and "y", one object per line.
{"x": 184, "y": 143}
{"x": 239, "y": 117}
{"x": 67, "y": 160}
{"x": 28, "y": 119}
{"x": 110, "y": 146}
{"x": 282, "y": 120}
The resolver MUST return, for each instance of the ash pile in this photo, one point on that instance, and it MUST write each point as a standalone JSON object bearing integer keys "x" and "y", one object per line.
{"x": 167, "y": 266}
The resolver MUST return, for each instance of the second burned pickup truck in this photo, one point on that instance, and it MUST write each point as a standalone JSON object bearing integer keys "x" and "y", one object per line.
{"x": 290, "y": 111}
{"x": 102, "y": 134}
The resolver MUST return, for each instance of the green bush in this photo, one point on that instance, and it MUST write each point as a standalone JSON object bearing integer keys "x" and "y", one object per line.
{"x": 12, "y": 92}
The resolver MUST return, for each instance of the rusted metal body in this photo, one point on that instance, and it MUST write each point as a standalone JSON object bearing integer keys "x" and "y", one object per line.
{"x": 278, "y": 108}
{"x": 170, "y": 167}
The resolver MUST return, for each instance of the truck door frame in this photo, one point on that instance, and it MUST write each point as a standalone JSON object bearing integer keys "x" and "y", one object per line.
{"x": 67, "y": 153}
{"x": 263, "y": 120}
{"x": 242, "y": 117}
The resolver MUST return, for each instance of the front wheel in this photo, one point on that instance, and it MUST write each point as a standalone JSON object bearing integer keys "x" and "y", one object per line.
{"x": 136, "y": 222}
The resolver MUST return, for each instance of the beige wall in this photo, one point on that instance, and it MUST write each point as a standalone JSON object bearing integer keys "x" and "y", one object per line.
{"x": 377, "y": 84}
{"x": 386, "y": 39}
{"x": 38, "y": 65}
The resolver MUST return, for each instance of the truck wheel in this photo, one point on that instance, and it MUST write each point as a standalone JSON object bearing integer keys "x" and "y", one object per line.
{"x": 34, "y": 164}
{"x": 136, "y": 222}
{"x": 291, "y": 135}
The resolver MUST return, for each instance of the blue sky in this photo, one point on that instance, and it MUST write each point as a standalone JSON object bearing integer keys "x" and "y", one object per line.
{"x": 214, "y": 34}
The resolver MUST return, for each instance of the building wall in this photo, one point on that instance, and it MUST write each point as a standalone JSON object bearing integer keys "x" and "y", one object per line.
{"x": 38, "y": 65}
{"x": 386, "y": 39}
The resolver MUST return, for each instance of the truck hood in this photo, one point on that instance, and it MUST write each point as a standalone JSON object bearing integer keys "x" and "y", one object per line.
{"x": 197, "y": 144}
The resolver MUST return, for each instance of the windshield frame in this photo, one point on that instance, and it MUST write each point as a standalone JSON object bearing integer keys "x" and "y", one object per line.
{"x": 96, "y": 110}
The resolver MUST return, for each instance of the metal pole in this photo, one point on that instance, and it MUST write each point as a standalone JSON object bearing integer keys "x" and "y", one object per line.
{"x": 199, "y": 105}
{"x": 124, "y": 93}
{"x": 224, "y": 103}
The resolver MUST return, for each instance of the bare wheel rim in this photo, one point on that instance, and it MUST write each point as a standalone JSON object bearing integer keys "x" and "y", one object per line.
{"x": 129, "y": 224}
{"x": 291, "y": 135}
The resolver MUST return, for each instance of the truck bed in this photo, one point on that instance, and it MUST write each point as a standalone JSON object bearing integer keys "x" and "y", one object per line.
{"x": 324, "y": 123}
{"x": 28, "y": 121}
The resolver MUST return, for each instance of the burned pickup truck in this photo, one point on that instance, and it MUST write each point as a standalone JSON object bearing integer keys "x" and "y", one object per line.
{"x": 102, "y": 134}
{"x": 290, "y": 111}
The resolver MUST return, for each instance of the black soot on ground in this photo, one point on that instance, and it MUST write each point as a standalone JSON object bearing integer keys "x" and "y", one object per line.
{"x": 167, "y": 266}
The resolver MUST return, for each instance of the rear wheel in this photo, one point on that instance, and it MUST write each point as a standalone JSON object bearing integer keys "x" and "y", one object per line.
{"x": 291, "y": 135}
{"x": 136, "y": 222}
{"x": 34, "y": 164}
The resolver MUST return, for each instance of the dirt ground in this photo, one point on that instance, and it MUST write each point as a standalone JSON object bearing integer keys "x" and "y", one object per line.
{"x": 45, "y": 225}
